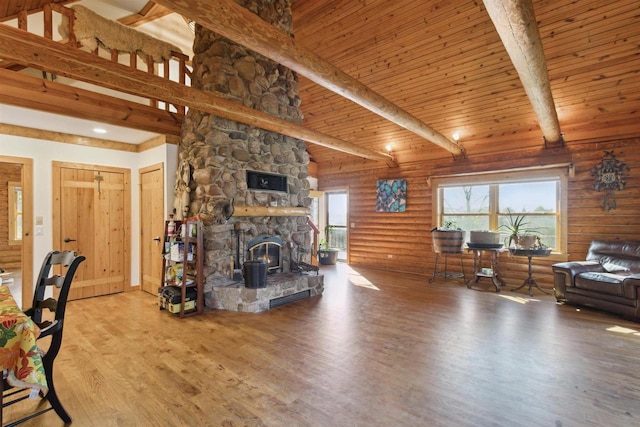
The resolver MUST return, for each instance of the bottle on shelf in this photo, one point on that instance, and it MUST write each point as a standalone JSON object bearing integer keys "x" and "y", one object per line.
{"x": 171, "y": 226}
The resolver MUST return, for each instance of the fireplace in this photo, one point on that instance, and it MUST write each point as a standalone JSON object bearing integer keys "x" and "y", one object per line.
{"x": 267, "y": 248}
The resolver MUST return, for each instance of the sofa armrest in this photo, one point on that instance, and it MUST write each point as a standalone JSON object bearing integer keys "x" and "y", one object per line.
{"x": 564, "y": 274}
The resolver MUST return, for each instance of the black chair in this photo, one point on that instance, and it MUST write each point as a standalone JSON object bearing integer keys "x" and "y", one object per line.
{"x": 52, "y": 328}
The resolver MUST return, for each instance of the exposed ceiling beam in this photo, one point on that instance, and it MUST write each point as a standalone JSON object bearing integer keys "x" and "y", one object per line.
{"x": 66, "y": 138}
{"x": 516, "y": 24}
{"x": 86, "y": 141}
{"x": 231, "y": 20}
{"x": 38, "y": 52}
{"x": 44, "y": 95}
{"x": 150, "y": 12}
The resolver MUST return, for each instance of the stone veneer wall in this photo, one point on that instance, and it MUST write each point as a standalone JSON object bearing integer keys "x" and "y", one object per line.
{"x": 220, "y": 151}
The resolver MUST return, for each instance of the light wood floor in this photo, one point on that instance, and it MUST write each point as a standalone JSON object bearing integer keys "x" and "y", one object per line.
{"x": 377, "y": 349}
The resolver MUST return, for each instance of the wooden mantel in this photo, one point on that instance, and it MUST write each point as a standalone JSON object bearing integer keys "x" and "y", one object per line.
{"x": 270, "y": 211}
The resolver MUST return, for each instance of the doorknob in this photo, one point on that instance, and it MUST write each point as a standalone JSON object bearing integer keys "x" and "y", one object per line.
{"x": 67, "y": 240}
{"x": 157, "y": 239}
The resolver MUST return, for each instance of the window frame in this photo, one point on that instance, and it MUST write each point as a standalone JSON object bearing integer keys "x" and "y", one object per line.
{"x": 488, "y": 178}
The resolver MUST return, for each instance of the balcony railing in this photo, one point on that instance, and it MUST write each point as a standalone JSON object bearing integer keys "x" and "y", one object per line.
{"x": 174, "y": 69}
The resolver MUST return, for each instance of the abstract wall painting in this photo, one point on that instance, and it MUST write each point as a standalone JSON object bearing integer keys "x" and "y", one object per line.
{"x": 391, "y": 195}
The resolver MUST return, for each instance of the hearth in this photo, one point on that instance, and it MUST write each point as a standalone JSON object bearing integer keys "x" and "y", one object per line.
{"x": 282, "y": 288}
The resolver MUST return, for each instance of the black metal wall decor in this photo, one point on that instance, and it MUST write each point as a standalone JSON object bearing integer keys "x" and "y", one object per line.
{"x": 609, "y": 175}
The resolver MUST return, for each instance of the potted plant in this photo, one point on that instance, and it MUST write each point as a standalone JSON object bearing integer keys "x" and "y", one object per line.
{"x": 326, "y": 254}
{"x": 519, "y": 235}
{"x": 448, "y": 239}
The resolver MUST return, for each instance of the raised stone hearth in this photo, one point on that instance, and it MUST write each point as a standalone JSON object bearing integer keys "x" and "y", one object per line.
{"x": 237, "y": 297}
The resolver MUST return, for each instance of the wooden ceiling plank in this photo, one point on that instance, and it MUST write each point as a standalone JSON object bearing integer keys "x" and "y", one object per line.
{"x": 35, "y": 51}
{"x": 561, "y": 15}
{"x": 242, "y": 26}
{"x": 368, "y": 45}
{"x": 306, "y": 13}
{"x": 365, "y": 28}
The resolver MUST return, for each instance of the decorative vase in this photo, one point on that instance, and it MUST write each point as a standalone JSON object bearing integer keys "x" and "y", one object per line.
{"x": 327, "y": 256}
{"x": 524, "y": 242}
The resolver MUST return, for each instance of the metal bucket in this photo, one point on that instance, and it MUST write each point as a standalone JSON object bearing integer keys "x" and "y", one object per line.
{"x": 255, "y": 274}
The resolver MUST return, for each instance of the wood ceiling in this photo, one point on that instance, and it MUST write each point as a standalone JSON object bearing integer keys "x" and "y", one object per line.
{"x": 444, "y": 63}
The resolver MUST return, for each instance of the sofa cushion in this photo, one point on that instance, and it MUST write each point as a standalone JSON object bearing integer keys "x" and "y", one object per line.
{"x": 613, "y": 266}
{"x": 607, "y": 283}
{"x": 619, "y": 252}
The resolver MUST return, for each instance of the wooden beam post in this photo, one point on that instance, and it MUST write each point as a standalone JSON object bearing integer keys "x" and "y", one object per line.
{"x": 37, "y": 52}
{"x": 38, "y": 94}
{"x": 231, "y": 20}
{"x": 516, "y": 24}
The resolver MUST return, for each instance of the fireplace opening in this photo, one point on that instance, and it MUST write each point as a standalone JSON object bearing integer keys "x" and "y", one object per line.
{"x": 267, "y": 248}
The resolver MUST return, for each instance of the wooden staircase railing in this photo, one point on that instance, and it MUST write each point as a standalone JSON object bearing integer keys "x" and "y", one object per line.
{"x": 314, "y": 247}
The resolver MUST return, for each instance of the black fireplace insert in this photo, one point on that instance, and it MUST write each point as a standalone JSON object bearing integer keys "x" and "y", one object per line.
{"x": 267, "y": 248}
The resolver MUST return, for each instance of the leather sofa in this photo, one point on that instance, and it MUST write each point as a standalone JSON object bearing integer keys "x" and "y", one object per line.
{"x": 608, "y": 280}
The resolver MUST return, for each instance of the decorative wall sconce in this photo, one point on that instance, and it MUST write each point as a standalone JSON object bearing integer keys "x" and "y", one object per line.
{"x": 389, "y": 149}
{"x": 609, "y": 175}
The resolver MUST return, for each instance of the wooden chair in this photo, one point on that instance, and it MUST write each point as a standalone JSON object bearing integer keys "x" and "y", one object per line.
{"x": 70, "y": 260}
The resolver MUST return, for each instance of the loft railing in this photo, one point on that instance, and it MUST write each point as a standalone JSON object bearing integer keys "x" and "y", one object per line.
{"x": 174, "y": 69}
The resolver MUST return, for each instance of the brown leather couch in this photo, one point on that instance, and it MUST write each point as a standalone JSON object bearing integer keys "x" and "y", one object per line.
{"x": 608, "y": 280}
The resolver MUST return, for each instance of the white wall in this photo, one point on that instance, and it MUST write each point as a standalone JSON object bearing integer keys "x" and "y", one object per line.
{"x": 44, "y": 153}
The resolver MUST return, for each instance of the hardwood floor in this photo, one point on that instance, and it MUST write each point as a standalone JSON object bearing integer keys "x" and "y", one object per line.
{"x": 376, "y": 349}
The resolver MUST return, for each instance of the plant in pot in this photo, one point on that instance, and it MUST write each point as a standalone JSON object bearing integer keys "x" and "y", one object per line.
{"x": 520, "y": 236}
{"x": 326, "y": 254}
{"x": 447, "y": 239}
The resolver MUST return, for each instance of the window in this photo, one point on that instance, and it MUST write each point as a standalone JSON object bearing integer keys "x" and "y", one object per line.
{"x": 15, "y": 213}
{"x": 485, "y": 201}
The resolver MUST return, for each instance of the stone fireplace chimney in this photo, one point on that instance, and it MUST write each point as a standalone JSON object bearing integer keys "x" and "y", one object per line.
{"x": 220, "y": 151}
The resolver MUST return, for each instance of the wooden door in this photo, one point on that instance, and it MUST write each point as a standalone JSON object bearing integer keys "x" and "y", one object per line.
{"x": 151, "y": 227}
{"x": 26, "y": 251}
{"x": 91, "y": 212}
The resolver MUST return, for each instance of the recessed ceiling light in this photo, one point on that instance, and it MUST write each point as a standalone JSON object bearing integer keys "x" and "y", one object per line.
{"x": 456, "y": 136}
{"x": 99, "y": 130}
{"x": 388, "y": 147}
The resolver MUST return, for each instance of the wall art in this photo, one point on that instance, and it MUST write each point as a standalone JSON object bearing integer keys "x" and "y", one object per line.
{"x": 391, "y": 195}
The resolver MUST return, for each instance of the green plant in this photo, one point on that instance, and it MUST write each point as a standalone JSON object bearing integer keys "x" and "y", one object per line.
{"x": 449, "y": 225}
{"x": 324, "y": 243}
{"x": 515, "y": 226}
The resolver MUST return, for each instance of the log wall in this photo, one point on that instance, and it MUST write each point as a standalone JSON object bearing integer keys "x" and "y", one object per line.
{"x": 402, "y": 241}
{"x": 10, "y": 255}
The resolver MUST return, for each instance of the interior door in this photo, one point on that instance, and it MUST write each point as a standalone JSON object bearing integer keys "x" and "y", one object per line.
{"x": 25, "y": 268}
{"x": 151, "y": 227}
{"x": 89, "y": 218}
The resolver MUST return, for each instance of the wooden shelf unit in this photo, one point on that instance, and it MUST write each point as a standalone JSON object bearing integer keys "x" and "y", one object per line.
{"x": 172, "y": 255}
